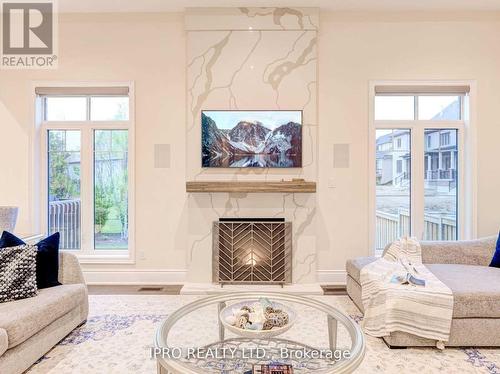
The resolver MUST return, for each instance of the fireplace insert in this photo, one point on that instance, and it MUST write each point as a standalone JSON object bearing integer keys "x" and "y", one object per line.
{"x": 252, "y": 250}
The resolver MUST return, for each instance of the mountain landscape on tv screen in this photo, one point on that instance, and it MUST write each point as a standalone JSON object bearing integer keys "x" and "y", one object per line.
{"x": 251, "y": 144}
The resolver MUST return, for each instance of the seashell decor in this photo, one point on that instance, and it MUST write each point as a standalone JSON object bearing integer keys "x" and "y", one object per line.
{"x": 259, "y": 316}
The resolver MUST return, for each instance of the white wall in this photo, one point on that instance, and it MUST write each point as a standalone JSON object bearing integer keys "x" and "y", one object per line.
{"x": 353, "y": 49}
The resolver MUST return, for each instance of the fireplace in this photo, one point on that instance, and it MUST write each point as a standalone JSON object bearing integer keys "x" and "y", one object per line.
{"x": 252, "y": 250}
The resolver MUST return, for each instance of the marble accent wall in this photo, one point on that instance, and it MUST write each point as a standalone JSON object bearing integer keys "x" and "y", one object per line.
{"x": 261, "y": 59}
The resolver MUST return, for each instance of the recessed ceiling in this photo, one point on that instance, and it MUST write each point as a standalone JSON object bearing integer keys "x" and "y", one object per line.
{"x": 105, "y": 6}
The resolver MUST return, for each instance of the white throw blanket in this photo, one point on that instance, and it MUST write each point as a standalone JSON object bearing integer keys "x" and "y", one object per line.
{"x": 424, "y": 311}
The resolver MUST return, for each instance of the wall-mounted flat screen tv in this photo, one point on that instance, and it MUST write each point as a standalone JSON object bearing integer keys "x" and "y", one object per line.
{"x": 253, "y": 138}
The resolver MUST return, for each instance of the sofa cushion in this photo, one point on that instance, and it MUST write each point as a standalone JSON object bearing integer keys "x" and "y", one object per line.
{"x": 465, "y": 252}
{"x": 22, "y": 319}
{"x": 4, "y": 341}
{"x": 476, "y": 289}
{"x": 353, "y": 267}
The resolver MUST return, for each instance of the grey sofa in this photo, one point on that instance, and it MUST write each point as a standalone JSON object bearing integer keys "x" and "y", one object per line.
{"x": 31, "y": 327}
{"x": 463, "y": 267}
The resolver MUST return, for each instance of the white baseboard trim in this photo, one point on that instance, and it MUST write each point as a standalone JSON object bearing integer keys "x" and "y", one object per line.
{"x": 214, "y": 289}
{"x": 134, "y": 276}
{"x": 176, "y": 276}
{"x": 334, "y": 277}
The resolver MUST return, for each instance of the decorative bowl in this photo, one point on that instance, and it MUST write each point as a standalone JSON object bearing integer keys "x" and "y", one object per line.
{"x": 230, "y": 315}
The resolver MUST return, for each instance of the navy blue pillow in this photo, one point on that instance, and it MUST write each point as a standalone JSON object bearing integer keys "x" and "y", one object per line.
{"x": 9, "y": 240}
{"x": 47, "y": 258}
{"x": 495, "y": 261}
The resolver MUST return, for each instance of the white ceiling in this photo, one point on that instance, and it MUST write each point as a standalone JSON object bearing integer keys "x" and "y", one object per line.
{"x": 98, "y": 6}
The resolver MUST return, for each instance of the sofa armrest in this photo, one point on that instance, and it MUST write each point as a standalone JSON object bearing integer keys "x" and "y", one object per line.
{"x": 70, "y": 271}
{"x": 465, "y": 252}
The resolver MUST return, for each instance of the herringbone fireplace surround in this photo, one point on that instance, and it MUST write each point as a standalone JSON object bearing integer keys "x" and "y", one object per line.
{"x": 252, "y": 251}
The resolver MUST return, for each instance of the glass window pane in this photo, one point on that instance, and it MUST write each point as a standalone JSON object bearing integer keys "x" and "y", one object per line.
{"x": 393, "y": 181}
{"x": 64, "y": 187}
{"x": 439, "y": 108}
{"x": 111, "y": 108}
{"x": 441, "y": 184}
{"x": 69, "y": 108}
{"x": 110, "y": 189}
{"x": 394, "y": 107}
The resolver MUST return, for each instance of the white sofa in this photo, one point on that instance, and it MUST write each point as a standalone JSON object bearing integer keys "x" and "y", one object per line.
{"x": 463, "y": 267}
{"x": 29, "y": 328}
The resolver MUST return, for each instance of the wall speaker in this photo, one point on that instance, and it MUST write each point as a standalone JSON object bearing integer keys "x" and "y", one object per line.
{"x": 162, "y": 156}
{"x": 341, "y": 156}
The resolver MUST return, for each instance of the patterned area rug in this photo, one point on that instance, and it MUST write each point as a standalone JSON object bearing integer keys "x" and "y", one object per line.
{"x": 120, "y": 331}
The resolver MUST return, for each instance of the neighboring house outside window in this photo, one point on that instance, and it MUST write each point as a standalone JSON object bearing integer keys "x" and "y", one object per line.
{"x": 444, "y": 138}
{"x": 399, "y": 166}
{"x": 435, "y": 121}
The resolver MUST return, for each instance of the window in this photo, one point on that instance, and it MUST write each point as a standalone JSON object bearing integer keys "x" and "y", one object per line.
{"x": 439, "y": 108}
{"x": 86, "y": 139}
{"x": 444, "y": 138}
{"x": 64, "y": 186}
{"x": 69, "y": 108}
{"x": 393, "y": 107}
{"x": 393, "y": 188}
{"x": 110, "y": 189}
{"x": 441, "y": 187}
{"x": 418, "y": 184}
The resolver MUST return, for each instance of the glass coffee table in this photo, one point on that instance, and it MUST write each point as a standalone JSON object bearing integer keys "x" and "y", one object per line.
{"x": 322, "y": 340}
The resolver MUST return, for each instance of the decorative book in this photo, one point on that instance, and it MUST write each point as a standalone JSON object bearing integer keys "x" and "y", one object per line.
{"x": 273, "y": 369}
{"x": 408, "y": 279}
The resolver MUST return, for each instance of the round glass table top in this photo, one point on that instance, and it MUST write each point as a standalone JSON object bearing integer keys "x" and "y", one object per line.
{"x": 322, "y": 339}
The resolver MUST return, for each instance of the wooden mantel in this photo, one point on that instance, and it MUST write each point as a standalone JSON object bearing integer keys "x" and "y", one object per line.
{"x": 293, "y": 186}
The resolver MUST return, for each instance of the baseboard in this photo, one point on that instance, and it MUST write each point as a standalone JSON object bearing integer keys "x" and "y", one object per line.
{"x": 332, "y": 277}
{"x": 214, "y": 289}
{"x": 176, "y": 276}
{"x": 134, "y": 277}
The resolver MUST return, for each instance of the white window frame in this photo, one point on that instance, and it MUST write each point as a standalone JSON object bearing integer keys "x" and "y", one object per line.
{"x": 87, "y": 253}
{"x": 467, "y": 222}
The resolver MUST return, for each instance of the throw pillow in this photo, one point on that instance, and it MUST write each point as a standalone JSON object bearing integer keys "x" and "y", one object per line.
{"x": 47, "y": 258}
{"x": 495, "y": 261}
{"x": 10, "y": 240}
{"x": 47, "y": 262}
{"x": 17, "y": 273}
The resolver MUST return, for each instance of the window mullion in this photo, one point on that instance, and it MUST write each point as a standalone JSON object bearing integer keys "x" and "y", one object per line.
{"x": 417, "y": 182}
{"x": 415, "y": 107}
{"x": 461, "y": 181}
{"x": 44, "y": 176}
{"x": 88, "y": 108}
{"x": 87, "y": 190}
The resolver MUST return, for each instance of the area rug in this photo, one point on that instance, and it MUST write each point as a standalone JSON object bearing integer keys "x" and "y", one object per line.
{"x": 120, "y": 330}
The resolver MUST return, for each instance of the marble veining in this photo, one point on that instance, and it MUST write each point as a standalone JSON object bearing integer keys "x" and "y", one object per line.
{"x": 271, "y": 66}
{"x": 248, "y": 18}
{"x": 216, "y": 50}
